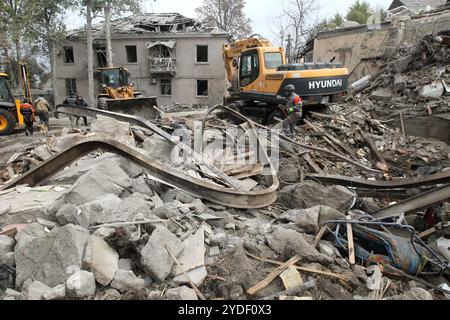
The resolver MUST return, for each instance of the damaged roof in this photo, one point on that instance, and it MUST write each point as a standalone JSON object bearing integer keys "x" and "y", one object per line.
{"x": 147, "y": 23}
{"x": 417, "y": 5}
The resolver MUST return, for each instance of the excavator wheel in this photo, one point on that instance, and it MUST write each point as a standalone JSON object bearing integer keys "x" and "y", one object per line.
{"x": 7, "y": 122}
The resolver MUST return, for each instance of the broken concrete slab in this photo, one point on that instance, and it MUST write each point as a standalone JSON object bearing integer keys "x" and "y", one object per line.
{"x": 81, "y": 285}
{"x": 311, "y": 219}
{"x": 101, "y": 259}
{"x": 155, "y": 258}
{"x": 382, "y": 94}
{"x": 6, "y": 244}
{"x": 69, "y": 213}
{"x": 70, "y": 174}
{"x": 399, "y": 82}
{"x": 140, "y": 185}
{"x": 8, "y": 259}
{"x": 289, "y": 243}
{"x": 108, "y": 128}
{"x": 126, "y": 280}
{"x": 36, "y": 291}
{"x": 101, "y": 210}
{"x": 56, "y": 293}
{"x": 125, "y": 264}
{"x": 104, "y": 232}
{"x": 107, "y": 178}
{"x": 29, "y": 204}
{"x": 158, "y": 148}
{"x": 47, "y": 258}
{"x": 181, "y": 293}
{"x": 192, "y": 260}
{"x": 309, "y": 194}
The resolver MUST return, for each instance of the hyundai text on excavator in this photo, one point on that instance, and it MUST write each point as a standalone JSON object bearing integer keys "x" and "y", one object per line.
{"x": 258, "y": 73}
{"x": 10, "y": 116}
{"x": 116, "y": 93}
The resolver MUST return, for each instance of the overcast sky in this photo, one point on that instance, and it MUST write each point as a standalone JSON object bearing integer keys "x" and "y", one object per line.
{"x": 261, "y": 12}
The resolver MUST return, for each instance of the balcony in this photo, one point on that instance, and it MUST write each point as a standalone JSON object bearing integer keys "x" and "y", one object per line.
{"x": 162, "y": 66}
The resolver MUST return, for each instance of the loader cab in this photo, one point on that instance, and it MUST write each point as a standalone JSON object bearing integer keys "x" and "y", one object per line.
{"x": 114, "y": 77}
{"x": 6, "y": 97}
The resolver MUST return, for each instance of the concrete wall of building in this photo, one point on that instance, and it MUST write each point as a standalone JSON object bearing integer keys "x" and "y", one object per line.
{"x": 358, "y": 48}
{"x": 184, "y": 82}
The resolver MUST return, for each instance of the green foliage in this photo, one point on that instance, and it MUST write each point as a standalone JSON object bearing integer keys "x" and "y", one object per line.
{"x": 360, "y": 12}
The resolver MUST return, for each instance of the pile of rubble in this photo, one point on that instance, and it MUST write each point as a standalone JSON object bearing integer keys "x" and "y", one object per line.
{"x": 105, "y": 228}
{"x": 413, "y": 81}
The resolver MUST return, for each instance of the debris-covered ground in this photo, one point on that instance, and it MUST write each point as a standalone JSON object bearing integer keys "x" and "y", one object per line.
{"x": 361, "y": 208}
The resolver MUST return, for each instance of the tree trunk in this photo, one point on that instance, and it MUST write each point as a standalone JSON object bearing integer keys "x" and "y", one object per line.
{"x": 109, "y": 53}
{"x": 90, "y": 53}
{"x": 52, "y": 53}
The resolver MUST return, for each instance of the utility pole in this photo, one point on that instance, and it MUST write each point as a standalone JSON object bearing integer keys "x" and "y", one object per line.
{"x": 288, "y": 49}
{"x": 282, "y": 39}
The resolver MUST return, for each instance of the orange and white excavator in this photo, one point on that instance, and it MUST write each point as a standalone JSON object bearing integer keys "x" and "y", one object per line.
{"x": 258, "y": 73}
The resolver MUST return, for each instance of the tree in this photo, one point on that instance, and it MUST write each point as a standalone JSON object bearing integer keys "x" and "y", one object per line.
{"x": 50, "y": 29}
{"x": 297, "y": 23}
{"x": 17, "y": 23}
{"x": 360, "y": 12}
{"x": 228, "y": 15}
{"x": 121, "y": 7}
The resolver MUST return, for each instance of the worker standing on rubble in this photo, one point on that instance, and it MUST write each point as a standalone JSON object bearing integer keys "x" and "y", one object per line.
{"x": 27, "y": 111}
{"x": 294, "y": 111}
{"x": 81, "y": 103}
{"x": 71, "y": 100}
{"x": 42, "y": 109}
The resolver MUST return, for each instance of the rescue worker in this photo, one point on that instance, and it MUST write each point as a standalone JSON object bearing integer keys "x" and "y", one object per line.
{"x": 294, "y": 111}
{"x": 81, "y": 103}
{"x": 27, "y": 111}
{"x": 42, "y": 109}
{"x": 71, "y": 100}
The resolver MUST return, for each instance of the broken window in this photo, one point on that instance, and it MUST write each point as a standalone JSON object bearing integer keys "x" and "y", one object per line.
{"x": 68, "y": 55}
{"x": 101, "y": 57}
{"x": 166, "y": 87}
{"x": 131, "y": 54}
{"x": 202, "y": 53}
{"x": 202, "y": 88}
{"x": 71, "y": 87}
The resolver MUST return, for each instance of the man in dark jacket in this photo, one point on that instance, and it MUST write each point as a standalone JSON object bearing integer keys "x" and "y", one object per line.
{"x": 81, "y": 103}
{"x": 27, "y": 111}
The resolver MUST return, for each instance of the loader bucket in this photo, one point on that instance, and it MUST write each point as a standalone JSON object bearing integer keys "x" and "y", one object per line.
{"x": 142, "y": 107}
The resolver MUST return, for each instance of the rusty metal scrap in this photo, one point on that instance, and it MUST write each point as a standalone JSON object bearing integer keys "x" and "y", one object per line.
{"x": 198, "y": 187}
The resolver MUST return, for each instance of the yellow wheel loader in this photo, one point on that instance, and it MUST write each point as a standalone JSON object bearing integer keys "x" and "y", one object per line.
{"x": 258, "y": 74}
{"x": 10, "y": 116}
{"x": 117, "y": 94}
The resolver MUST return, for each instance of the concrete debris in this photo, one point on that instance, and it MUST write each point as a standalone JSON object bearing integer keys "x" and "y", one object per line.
{"x": 181, "y": 293}
{"x": 41, "y": 258}
{"x": 155, "y": 258}
{"x": 36, "y": 291}
{"x": 56, "y": 293}
{"x": 126, "y": 280}
{"x": 6, "y": 244}
{"x": 108, "y": 178}
{"x": 101, "y": 260}
{"x": 192, "y": 260}
{"x": 105, "y": 227}
{"x": 80, "y": 285}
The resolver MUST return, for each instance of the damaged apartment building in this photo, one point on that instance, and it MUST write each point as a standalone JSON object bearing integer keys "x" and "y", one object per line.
{"x": 363, "y": 48}
{"x": 169, "y": 56}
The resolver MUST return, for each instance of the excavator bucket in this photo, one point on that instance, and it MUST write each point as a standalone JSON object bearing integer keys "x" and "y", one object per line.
{"x": 142, "y": 106}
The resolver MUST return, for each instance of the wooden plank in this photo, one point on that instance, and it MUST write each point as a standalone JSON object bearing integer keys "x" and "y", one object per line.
{"x": 313, "y": 164}
{"x": 351, "y": 247}
{"x": 272, "y": 275}
{"x": 319, "y": 235}
{"x": 312, "y": 270}
{"x": 291, "y": 277}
